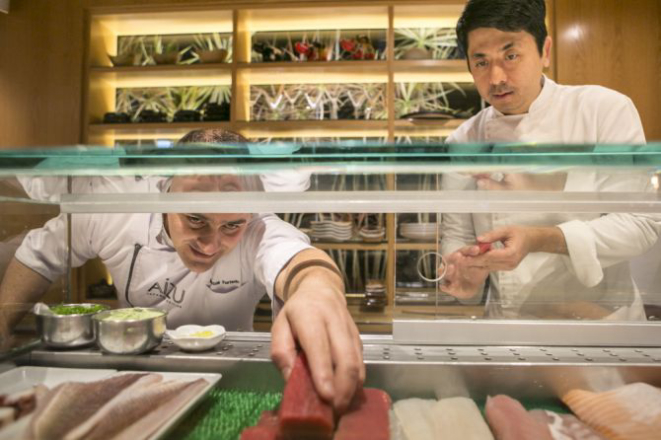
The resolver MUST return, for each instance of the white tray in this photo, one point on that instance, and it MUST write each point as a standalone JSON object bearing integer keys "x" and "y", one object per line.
{"x": 24, "y": 378}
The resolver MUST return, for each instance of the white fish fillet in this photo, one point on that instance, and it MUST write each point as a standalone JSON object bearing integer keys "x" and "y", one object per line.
{"x": 459, "y": 418}
{"x": 131, "y": 407}
{"x": 83, "y": 430}
{"x": 631, "y": 412}
{"x": 70, "y": 403}
{"x": 148, "y": 425}
{"x": 415, "y": 418}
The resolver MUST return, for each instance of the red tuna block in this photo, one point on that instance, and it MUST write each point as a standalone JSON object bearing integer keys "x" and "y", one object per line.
{"x": 303, "y": 414}
{"x": 267, "y": 428}
{"x": 367, "y": 417}
{"x": 484, "y": 247}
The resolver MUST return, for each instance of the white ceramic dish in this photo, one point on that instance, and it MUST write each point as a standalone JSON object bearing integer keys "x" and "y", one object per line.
{"x": 197, "y": 337}
{"x": 23, "y": 378}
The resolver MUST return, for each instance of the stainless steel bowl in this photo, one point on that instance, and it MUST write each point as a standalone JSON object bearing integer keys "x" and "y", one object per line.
{"x": 129, "y": 336}
{"x": 66, "y": 331}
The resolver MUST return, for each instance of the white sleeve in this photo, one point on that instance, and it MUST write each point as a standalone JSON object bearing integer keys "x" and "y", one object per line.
{"x": 457, "y": 229}
{"x": 603, "y": 242}
{"x": 279, "y": 243}
{"x": 619, "y": 122}
{"x": 44, "y": 250}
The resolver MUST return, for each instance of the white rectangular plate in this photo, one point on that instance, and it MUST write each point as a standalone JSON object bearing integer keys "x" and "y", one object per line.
{"x": 23, "y": 378}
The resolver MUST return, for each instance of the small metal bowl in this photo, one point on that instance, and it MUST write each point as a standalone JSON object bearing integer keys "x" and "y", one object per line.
{"x": 66, "y": 331}
{"x": 129, "y": 336}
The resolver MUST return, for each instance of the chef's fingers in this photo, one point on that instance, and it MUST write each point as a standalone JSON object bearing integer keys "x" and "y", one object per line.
{"x": 492, "y": 185}
{"x": 283, "y": 345}
{"x": 313, "y": 338}
{"x": 348, "y": 362}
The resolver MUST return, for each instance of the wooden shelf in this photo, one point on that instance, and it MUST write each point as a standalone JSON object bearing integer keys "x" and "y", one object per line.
{"x": 431, "y": 71}
{"x": 173, "y": 75}
{"x": 314, "y": 72}
{"x": 351, "y": 246}
{"x": 153, "y": 130}
{"x": 399, "y": 246}
{"x": 327, "y": 128}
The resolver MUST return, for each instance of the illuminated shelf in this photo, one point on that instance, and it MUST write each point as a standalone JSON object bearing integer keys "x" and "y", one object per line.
{"x": 153, "y": 130}
{"x": 163, "y": 75}
{"x": 335, "y": 128}
{"x": 314, "y": 72}
{"x": 431, "y": 71}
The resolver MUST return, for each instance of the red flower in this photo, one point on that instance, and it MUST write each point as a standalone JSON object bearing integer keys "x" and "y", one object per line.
{"x": 357, "y": 55}
{"x": 348, "y": 45}
{"x": 301, "y": 48}
{"x": 369, "y": 56}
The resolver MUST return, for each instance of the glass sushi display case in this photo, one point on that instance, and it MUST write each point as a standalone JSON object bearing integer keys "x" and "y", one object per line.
{"x": 500, "y": 277}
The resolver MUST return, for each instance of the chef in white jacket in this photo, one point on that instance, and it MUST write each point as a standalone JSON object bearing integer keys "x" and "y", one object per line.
{"x": 206, "y": 268}
{"x": 550, "y": 264}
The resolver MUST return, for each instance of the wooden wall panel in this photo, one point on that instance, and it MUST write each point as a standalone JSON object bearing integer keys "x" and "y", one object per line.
{"x": 41, "y": 47}
{"x": 616, "y": 44}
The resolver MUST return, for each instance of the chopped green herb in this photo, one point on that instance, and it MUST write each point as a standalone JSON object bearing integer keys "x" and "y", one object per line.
{"x": 77, "y": 310}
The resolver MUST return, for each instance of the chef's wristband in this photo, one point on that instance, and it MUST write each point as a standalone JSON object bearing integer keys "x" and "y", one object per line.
{"x": 315, "y": 262}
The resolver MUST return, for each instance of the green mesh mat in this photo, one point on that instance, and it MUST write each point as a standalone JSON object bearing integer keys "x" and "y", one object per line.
{"x": 223, "y": 414}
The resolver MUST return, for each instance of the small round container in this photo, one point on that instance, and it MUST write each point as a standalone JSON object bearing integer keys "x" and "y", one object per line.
{"x": 66, "y": 331}
{"x": 117, "y": 335}
{"x": 197, "y": 337}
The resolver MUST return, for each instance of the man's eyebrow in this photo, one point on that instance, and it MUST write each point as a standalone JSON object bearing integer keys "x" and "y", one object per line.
{"x": 235, "y": 222}
{"x": 502, "y": 49}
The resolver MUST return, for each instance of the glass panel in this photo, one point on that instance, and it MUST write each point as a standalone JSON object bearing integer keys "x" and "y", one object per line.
{"x": 542, "y": 232}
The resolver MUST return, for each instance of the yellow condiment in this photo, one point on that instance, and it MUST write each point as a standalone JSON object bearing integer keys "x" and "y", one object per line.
{"x": 202, "y": 334}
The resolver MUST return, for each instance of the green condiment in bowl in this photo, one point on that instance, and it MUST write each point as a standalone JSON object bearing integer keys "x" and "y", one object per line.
{"x": 67, "y": 309}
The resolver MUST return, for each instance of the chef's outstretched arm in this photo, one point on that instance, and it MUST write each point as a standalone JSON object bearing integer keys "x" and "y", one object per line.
{"x": 21, "y": 287}
{"x": 315, "y": 317}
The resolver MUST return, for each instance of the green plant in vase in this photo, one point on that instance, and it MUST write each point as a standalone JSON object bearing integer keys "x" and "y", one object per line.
{"x": 425, "y": 43}
{"x": 155, "y": 105}
{"x": 212, "y": 48}
{"x": 128, "y": 51}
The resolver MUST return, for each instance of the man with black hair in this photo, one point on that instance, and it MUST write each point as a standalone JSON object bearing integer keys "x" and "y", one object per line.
{"x": 206, "y": 268}
{"x": 546, "y": 258}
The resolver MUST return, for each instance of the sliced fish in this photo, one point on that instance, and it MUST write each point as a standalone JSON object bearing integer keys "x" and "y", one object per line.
{"x": 459, "y": 418}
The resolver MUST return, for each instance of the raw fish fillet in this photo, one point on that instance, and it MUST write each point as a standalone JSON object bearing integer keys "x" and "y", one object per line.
{"x": 415, "y": 418}
{"x": 303, "y": 414}
{"x": 459, "y": 418}
{"x": 630, "y": 412}
{"x": 509, "y": 420}
{"x": 565, "y": 426}
{"x": 148, "y": 425}
{"x": 268, "y": 428}
{"x": 117, "y": 416}
{"x": 84, "y": 429}
{"x": 71, "y": 403}
{"x": 367, "y": 417}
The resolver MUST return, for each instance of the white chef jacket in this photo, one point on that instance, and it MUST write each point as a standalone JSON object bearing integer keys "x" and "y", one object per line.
{"x": 147, "y": 270}
{"x": 600, "y": 246}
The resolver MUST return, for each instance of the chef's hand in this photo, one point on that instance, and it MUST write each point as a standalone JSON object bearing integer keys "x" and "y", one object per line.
{"x": 465, "y": 274}
{"x": 518, "y": 242}
{"x": 315, "y": 318}
{"x": 521, "y": 181}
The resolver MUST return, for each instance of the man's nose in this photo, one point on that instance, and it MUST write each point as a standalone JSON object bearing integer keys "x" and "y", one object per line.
{"x": 497, "y": 75}
{"x": 210, "y": 243}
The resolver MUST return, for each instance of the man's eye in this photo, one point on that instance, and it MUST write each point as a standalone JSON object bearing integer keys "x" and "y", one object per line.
{"x": 231, "y": 227}
{"x": 512, "y": 56}
{"x": 195, "y": 221}
{"x": 481, "y": 63}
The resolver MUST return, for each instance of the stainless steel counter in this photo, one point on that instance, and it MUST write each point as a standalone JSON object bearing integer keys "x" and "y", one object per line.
{"x": 535, "y": 372}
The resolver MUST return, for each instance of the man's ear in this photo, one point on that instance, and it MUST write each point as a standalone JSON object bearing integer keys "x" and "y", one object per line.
{"x": 546, "y": 52}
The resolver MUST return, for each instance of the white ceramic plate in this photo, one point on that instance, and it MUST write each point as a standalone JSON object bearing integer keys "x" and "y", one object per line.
{"x": 190, "y": 338}
{"x": 23, "y": 378}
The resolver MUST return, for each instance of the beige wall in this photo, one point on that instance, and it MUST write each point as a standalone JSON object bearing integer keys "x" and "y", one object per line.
{"x": 618, "y": 45}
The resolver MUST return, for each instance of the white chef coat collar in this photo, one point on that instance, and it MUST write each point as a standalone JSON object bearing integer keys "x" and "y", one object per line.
{"x": 541, "y": 102}
{"x": 158, "y": 236}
